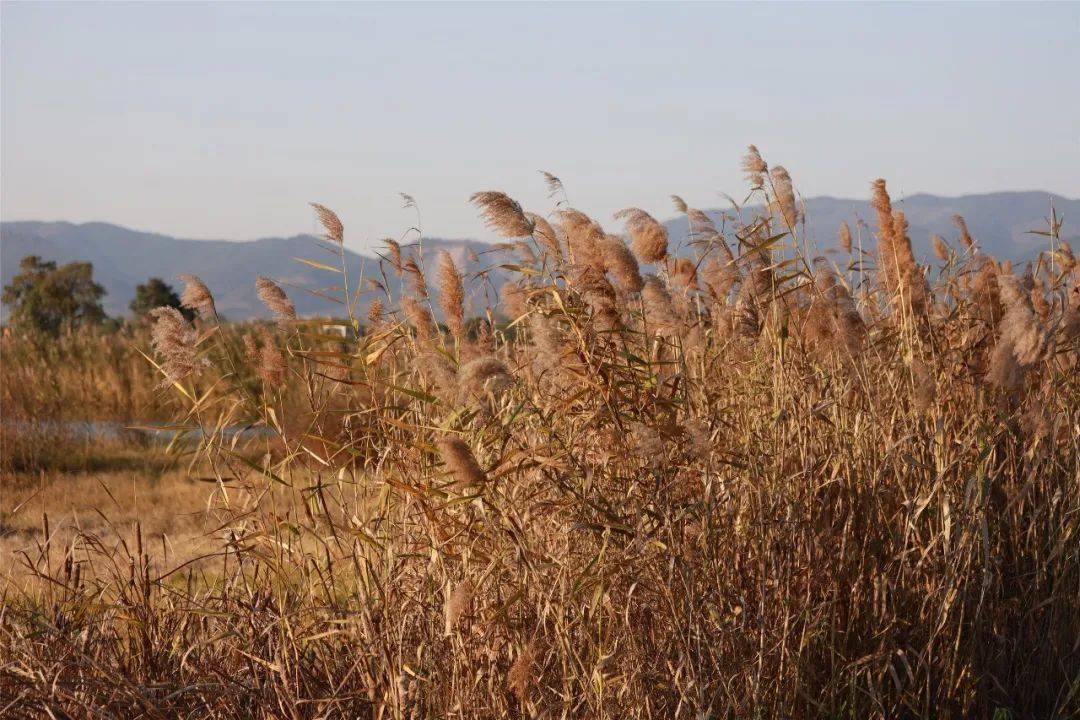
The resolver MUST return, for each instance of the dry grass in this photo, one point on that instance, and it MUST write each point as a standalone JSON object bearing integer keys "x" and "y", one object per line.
{"x": 175, "y": 514}
{"x": 806, "y": 489}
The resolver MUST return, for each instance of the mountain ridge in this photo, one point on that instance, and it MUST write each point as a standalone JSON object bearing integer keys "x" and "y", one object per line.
{"x": 123, "y": 257}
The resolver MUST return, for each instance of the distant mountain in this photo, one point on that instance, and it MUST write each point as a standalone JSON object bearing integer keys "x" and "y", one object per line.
{"x": 123, "y": 258}
{"x": 999, "y": 222}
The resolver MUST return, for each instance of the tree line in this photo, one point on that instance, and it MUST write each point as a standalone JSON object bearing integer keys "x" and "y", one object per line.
{"x": 49, "y": 298}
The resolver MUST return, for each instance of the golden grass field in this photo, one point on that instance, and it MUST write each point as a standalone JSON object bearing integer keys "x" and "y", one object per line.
{"x": 720, "y": 476}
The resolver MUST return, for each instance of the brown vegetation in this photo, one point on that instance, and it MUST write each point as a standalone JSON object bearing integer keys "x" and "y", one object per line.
{"x": 751, "y": 483}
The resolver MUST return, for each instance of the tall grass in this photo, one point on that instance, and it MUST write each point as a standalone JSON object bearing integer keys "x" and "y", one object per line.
{"x": 733, "y": 481}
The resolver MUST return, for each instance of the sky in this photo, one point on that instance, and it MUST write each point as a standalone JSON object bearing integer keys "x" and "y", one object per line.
{"x": 223, "y": 120}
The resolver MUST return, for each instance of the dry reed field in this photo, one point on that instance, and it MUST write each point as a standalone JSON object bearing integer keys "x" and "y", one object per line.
{"x": 719, "y": 476}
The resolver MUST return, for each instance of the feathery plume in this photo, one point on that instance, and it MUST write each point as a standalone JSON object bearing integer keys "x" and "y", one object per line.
{"x": 600, "y": 296}
{"x": 833, "y": 322}
{"x": 457, "y": 604}
{"x": 420, "y": 318}
{"x": 683, "y": 274}
{"x": 700, "y": 222}
{"x": 620, "y": 262}
{"x": 416, "y": 278}
{"x": 648, "y": 238}
{"x": 547, "y": 339}
{"x": 1066, "y": 257}
{"x": 1023, "y": 340}
{"x": 395, "y": 255}
{"x": 481, "y": 376}
{"x": 965, "y": 237}
{"x": 985, "y": 293}
{"x": 267, "y": 358}
{"x": 719, "y": 278}
{"x": 502, "y": 214}
{"x": 900, "y": 274}
{"x": 520, "y": 676}
{"x": 941, "y": 249}
{"x": 545, "y": 235}
{"x": 330, "y": 222}
{"x": 924, "y": 386}
{"x": 375, "y": 313}
{"x": 845, "y": 236}
{"x": 659, "y": 308}
{"x": 452, "y": 295}
{"x": 909, "y": 273}
{"x": 754, "y": 167}
{"x": 514, "y": 299}
{"x": 583, "y": 237}
{"x": 196, "y": 296}
{"x": 275, "y": 299}
{"x": 459, "y": 458}
{"x": 554, "y": 184}
{"x": 785, "y": 195}
{"x": 173, "y": 339}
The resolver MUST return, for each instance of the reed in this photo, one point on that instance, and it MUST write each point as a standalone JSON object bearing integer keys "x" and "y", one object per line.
{"x": 728, "y": 481}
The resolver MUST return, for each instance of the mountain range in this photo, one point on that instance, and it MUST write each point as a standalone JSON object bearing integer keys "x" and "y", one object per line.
{"x": 122, "y": 258}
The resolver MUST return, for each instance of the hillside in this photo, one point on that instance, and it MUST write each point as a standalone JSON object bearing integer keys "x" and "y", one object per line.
{"x": 122, "y": 258}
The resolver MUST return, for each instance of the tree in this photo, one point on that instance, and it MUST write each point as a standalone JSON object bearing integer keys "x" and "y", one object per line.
{"x": 155, "y": 293}
{"x": 47, "y": 298}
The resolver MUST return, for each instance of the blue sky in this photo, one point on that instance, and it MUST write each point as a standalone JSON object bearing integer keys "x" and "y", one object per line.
{"x": 224, "y": 120}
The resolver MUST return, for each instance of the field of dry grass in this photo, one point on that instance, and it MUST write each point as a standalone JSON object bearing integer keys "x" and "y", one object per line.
{"x": 717, "y": 476}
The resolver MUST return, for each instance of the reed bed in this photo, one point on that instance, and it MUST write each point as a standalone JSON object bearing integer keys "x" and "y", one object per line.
{"x": 704, "y": 477}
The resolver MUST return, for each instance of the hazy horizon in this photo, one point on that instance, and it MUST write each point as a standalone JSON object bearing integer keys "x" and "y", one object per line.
{"x": 221, "y": 121}
{"x": 664, "y": 214}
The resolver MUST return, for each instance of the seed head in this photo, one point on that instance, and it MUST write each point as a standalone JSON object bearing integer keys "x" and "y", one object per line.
{"x": 275, "y": 299}
{"x": 502, "y": 214}
{"x": 331, "y": 223}
{"x": 196, "y": 296}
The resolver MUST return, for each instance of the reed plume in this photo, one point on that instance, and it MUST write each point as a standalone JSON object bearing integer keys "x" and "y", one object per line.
{"x": 719, "y": 278}
{"x": 683, "y": 275}
{"x": 1023, "y": 340}
{"x": 941, "y": 249}
{"x": 648, "y": 238}
{"x": 267, "y": 359}
{"x": 545, "y": 235}
{"x": 620, "y": 262}
{"x": 457, "y": 604}
{"x": 583, "y": 237}
{"x": 482, "y": 376}
{"x": 845, "y": 237}
{"x": 331, "y": 223}
{"x": 375, "y": 313}
{"x": 965, "y": 237}
{"x": 502, "y": 214}
{"x": 520, "y": 676}
{"x": 196, "y": 296}
{"x": 554, "y": 184}
{"x": 784, "y": 202}
{"x": 420, "y": 318}
{"x": 173, "y": 339}
{"x": 659, "y": 308}
{"x": 395, "y": 255}
{"x": 415, "y": 276}
{"x": 452, "y": 295}
{"x": 275, "y": 299}
{"x": 514, "y": 299}
{"x": 459, "y": 458}
{"x": 754, "y": 167}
